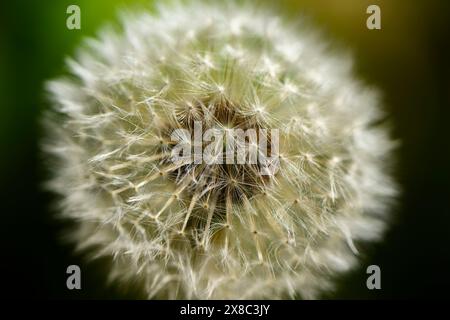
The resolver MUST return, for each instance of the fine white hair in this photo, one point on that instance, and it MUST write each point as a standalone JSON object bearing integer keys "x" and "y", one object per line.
{"x": 218, "y": 231}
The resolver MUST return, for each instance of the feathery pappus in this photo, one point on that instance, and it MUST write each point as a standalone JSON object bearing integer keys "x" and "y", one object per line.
{"x": 223, "y": 230}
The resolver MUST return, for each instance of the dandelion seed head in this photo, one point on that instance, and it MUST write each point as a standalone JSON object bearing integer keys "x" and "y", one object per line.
{"x": 219, "y": 231}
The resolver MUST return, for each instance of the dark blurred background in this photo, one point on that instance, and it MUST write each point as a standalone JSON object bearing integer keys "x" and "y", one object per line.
{"x": 408, "y": 59}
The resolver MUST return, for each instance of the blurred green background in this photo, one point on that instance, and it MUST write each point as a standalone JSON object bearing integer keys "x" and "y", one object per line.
{"x": 408, "y": 59}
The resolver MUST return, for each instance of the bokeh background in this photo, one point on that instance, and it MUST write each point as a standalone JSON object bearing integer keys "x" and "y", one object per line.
{"x": 408, "y": 59}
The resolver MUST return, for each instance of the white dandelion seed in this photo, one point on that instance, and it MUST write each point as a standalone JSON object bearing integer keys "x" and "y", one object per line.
{"x": 220, "y": 231}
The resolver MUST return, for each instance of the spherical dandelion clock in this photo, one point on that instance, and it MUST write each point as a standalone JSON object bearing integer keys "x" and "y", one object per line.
{"x": 214, "y": 152}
